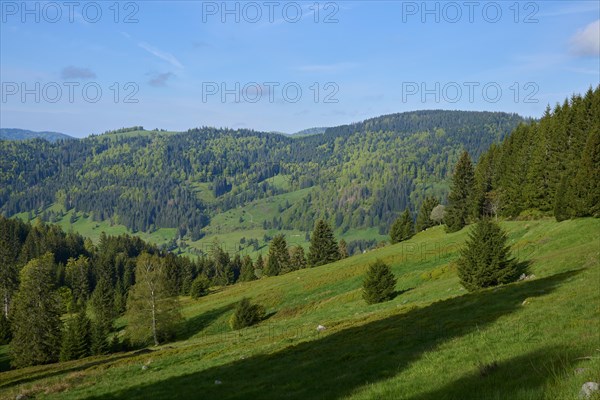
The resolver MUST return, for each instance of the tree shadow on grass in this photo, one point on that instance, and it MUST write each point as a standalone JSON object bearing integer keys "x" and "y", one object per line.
{"x": 197, "y": 324}
{"x": 51, "y": 370}
{"x": 341, "y": 362}
{"x": 521, "y": 377}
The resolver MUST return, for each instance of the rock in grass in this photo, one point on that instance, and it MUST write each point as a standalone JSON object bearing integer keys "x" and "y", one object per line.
{"x": 589, "y": 389}
{"x": 144, "y": 367}
{"x": 218, "y": 382}
{"x": 321, "y": 328}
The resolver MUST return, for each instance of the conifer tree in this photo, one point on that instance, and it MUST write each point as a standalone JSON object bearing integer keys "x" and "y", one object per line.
{"x": 297, "y": 258}
{"x": 36, "y": 324}
{"x": 485, "y": 259}
{"x": 424, "y": 220}
{"x": 153, "y": 310}
{"x": 279, "y": 257}
{"x": 402, "y": 228}
{"x": 323, "y": 247}
{"x": 584, "y": 196}
{"x": 76, "y": 340}
{"x": 379, "y": 284}
{"x": 461, "y": 190}
{"x": 104, "y": 311}
{"x": 200, "y": 287}
{"x": 247, "y": 272}
{"x": 77, "y": 275}
{"x": 246, "y": 314}
{"x": 259, "y": 266}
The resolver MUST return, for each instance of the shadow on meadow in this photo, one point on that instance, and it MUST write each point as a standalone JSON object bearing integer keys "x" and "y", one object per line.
{"x": 341, "y": 362}
{"x": 197, "y": 324}
{"x": 520, "y": 377}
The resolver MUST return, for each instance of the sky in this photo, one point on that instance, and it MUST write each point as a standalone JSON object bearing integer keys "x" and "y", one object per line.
{"x": 85, "y": 67}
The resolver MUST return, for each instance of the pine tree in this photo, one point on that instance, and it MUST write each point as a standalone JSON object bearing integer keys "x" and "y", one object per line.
{"x": 585, "y": 192}
{"x": 379, "y": 284}
{"x": 77, "y": 275}
{"x": 561, "y": 201}
{"x": 36, "y": 323}
{"x": 259, "y": 266}
{"x": 76, "y": 340}
{"x": 323, "y": 247}
{"x": 461, "y": 190}
{"x": 402, "y": 228}
{"x": 424, "y": 220}
{"x": 485, "y": 259}
{"x": 200, "y": 287}
{"x": 279, "y": 257}
{"x": 246, "y": 314}
{"x": 153, "y": 310}
{"x": 297, "y": 258}
{"x": 104, "y": 311}
{"x": 247, "y": 272}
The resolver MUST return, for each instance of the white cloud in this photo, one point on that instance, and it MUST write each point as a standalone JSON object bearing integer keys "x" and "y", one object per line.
{"x": 168, "y": 57}
{"x": 586, "y": 42}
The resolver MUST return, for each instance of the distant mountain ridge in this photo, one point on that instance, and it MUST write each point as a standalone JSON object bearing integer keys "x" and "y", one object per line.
{"x": 24, "y": 134}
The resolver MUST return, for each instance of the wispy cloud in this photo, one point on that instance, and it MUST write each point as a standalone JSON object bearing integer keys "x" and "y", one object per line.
{"x": 163, "y": 55}
{"x": 160, "y": 80}
{"x": 586, "y": 42}
{"x": 336, "y": 67}
{"x": 72, "y": 72}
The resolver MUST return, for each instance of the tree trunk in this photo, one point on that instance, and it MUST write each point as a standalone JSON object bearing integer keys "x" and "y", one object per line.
{"x": 154, "y": 334}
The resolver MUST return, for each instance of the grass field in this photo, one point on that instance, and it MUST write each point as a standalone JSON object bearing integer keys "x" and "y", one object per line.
{"x": 535, "y": 339}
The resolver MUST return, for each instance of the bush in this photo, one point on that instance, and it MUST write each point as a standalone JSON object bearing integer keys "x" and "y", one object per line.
{"x": 485, "y": 260}
{"x": 379, "y": 284}
{"x": 247, "y": 314}
{"x": 199, "y": 287}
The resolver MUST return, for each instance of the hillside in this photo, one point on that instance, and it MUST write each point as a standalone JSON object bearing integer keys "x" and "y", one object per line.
{"x": 538, "y": 338}
{"x": 23, "y": 134}
{"x": 359, "y": 178}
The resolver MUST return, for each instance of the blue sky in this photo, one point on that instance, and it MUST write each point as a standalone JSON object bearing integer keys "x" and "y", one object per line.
{"x": 285, "y": 66}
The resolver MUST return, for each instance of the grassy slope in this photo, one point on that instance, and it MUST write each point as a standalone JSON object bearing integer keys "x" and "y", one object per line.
{"x": 425, "y": 344}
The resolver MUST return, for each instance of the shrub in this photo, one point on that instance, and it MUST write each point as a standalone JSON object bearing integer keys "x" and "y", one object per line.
{"x": 379, "y": 284}
{"x": 485, "y": 260}
{"x": 199, "y": 287}
{"x": 246, "y": 314}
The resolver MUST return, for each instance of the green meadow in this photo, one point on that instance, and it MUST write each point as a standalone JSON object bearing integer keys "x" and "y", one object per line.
{"x": 534, "y": 339}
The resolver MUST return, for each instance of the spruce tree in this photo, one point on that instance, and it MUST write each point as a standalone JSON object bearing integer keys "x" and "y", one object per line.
{"x": 485, "y": 259}
{"x": 247, "y": 272}
{"x": 77, "y": 275}
{"x": 246, "y": 314}
{"x": 153, "y": 310}
{"x": 36, "y": 324}
{"x": 402, "y": 228}
{"x": 76, "y": 340}
{"x": 584, "y": 195}
{"x": 200, "y": 287}
{"x": 424, "y": 220}
{"x": 279, "y": 257}
{"x": 323, "y": 247}
{"x": 259, "y": 266}
{"x": 379, "y": 284}
{"x": 461, "y": 190}
{"x": 104, "y": 312}
{"x": 297, "y": 258}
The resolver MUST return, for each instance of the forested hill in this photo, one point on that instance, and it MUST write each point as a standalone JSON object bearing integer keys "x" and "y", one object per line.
{"x": 359, "y": 175}
{"x": 22, "y": 134}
